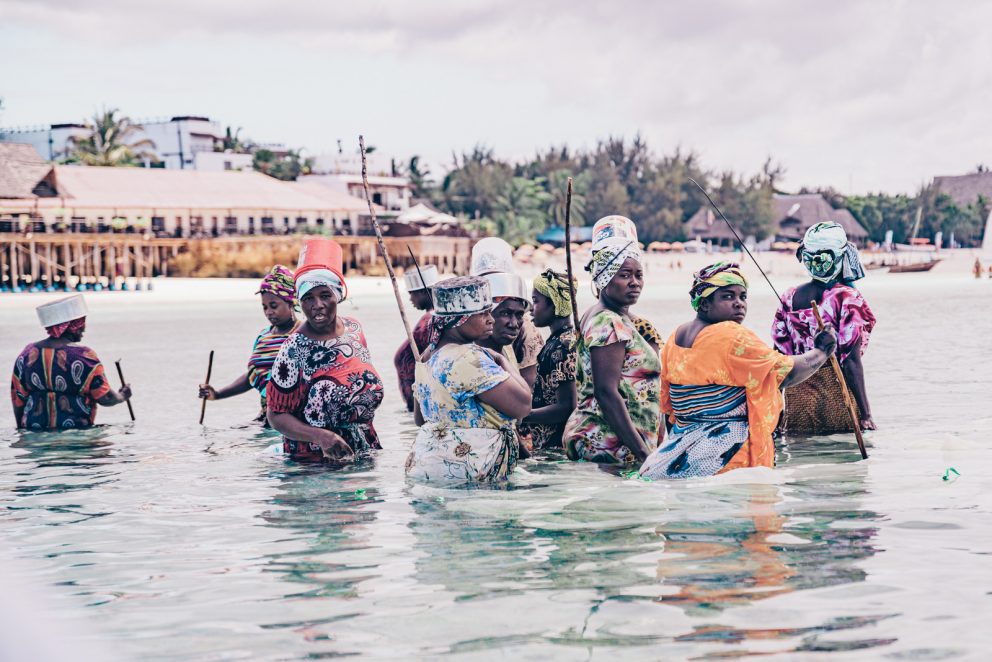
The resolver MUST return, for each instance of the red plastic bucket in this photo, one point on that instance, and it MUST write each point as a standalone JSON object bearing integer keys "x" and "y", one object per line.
{"x": 321, "y": 253}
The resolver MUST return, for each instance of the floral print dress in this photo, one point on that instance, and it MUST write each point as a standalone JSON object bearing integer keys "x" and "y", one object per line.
{"x": 587, "y": 434}
{"x": 463, "y": 439}
{"x": 842, "y": 306}
{"x": 57, "y": 387}
{"x": 555, "y": 366}
{"x": 331, "y": 385}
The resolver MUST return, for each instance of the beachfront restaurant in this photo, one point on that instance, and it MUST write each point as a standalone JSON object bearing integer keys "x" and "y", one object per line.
{"x": 177, "y": 203}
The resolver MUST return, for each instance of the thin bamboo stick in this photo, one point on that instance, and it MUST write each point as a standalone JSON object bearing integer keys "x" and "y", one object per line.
{"x": 848, "y": 400}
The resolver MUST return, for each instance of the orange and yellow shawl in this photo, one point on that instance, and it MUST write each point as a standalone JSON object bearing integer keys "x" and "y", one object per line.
{"x": 729, "y": 354}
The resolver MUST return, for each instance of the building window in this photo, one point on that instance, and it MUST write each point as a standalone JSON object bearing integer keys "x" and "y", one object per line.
{"x": 230, "y": 224}
{"x": 377, "y": 198}
{"x": 158, "y": 224}
{"x": 228, "y": 165}
{"x": 251, "y": 225}
{"x": 268, "y": 225}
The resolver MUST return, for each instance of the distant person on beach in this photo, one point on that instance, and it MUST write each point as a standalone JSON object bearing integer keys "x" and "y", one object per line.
{"x": 467, "y": 397}
{"x": 618, "y": 420}
{"x": 57, "y": 383}
{"x": 977, "y": 269}
{"x": 493, "y": 255}
{"x": 720, "y": 384}
{"x": 323, "y": 389}
{"x": 833, "y": 264}
{"x": 279, "y": 306}
{"x": 418, "y": 286}
{"x": 554, "y": 395}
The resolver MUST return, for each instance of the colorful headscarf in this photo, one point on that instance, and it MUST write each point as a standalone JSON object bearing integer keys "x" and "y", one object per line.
{"x": 709, "y": 279}
{"x": 311, "y": 279}
{"x": 607, "y": 260}
{"x": 76, "y": 326}
{"x": 555, "y": 286}
{"x": 828, "y": 256}
{"x": 279, "y": 282}
{"x": 441, "y": 323}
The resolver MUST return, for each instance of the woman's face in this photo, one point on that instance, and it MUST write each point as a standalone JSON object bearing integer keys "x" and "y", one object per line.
{"x": 320, "y": 306}
{"x": 726, "y": 304}
{"x": 625, "y": 288}
{"x": 544, "y": 309}
{"x": 276, "y": 310}
{"x": 478, "y": 327}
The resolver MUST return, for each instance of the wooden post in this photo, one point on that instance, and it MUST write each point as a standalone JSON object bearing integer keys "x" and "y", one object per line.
{"x": 568, "y": 259}
{"x": 385, "y": 253}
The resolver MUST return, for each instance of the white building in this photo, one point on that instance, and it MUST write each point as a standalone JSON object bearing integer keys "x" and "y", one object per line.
{"x": 392, "y": 193}
{"x": 182, "y": 143}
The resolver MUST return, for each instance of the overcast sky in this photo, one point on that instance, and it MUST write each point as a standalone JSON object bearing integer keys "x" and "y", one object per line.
{"x": 860, "y": 95}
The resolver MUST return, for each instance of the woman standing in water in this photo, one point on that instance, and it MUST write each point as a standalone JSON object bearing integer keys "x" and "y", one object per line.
{"x": 278, "y": 306}
{"x": 57, "y": 383}
{"x": 721, "y": 384}
{"x": 554, "y": 390}
{"x": 323, "y": 389}
{"x": 618, "y": 419}
{"x": 833, "y": 265}
{"x": 467, "y": 397}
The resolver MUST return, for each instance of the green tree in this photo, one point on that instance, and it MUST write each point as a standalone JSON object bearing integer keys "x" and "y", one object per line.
{"x": 113, "y": 141}
{"x": 520, "y": 212}
{"x": 421, "y": 184}
{"x": 557, "y": 190}
{"x": 474, "y": 183}
{"x": 286, "y": 168}
{"x": 232, "y": 142}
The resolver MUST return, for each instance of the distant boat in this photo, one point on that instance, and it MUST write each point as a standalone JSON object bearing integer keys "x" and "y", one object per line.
{"x": 914, "y": 267}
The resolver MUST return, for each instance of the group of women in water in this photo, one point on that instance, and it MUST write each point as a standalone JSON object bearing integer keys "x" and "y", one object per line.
{"x": 488, "y": 390}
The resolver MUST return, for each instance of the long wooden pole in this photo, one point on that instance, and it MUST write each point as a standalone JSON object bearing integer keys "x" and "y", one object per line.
{"x": 120, "y": 373}
{"x": 210, "y": 367}
{"x": 568, "y": 258}
{"x": 385, "y": 253}
{"x": 848, "y": 400}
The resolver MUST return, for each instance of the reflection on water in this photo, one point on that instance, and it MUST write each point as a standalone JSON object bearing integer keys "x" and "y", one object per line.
{"x": 176, "y": 541}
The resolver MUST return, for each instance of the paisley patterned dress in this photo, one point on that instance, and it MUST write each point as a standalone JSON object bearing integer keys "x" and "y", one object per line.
{"x": 331, "y": 385}
{"x": 57, "y": 387}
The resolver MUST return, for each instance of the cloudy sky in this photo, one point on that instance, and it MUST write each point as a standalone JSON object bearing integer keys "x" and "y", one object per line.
{"x": 860, "y": 95}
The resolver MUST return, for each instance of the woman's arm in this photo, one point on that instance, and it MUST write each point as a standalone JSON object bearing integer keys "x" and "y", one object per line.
{"x": 511, "y": 397}
{"x": 331, "y": 443}
{"x": 237, "y": 387}
{"x": 558, "y": 412}
{"x": 112, "y": 397}
{"x": 854, "y": 374}
{"x": 825, "y": 343}
{"x": 606, "y": 364}
{"x": 19, "y": 416}
{"x": 530, "y": 375}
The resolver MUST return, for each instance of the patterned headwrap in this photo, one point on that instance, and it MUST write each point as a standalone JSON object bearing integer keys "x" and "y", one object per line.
{"x": 555, "y": 286}
{"x": 606, "y": 262}
{"x": 709, "y": 279}
{"x": 311, "y": 279}
{"x": 279, "y": 282}
{"x": 441, "y": 323}
{"x": 76, "y": 326}
{"x": 828, "y": 256}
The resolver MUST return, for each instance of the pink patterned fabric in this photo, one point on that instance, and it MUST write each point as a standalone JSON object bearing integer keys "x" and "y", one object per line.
{"x": 842, "y": 306}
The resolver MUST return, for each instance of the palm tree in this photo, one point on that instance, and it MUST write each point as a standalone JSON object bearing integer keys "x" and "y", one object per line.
{"x": 112, "y": 142}
{"x": 558, "y": 187}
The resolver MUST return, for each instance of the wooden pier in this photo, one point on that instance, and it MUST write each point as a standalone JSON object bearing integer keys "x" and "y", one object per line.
{"x": 68, "y": 260}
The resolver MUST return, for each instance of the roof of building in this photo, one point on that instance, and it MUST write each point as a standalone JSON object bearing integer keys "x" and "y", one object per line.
{"x": 87, "y": 186}
{"x": 965, "y": 189}
{"x": 796, "y": 212}
{"x": 21, "y": 168}
{"x": 421, "y": 213}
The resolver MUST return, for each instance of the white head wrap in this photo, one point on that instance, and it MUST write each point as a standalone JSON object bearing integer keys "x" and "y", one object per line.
{"x": 317, "y": 277}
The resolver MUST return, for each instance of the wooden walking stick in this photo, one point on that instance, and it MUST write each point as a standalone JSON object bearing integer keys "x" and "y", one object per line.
{"x": 568, "y": 259}
{"x": 848, "y": 400}
{"x": 210, "y": 367}
{"x": 385, "y": 253}
{"x": 120, "y": 373}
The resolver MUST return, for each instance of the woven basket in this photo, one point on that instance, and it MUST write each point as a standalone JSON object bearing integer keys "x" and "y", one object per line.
{"x": 817, "y": 406}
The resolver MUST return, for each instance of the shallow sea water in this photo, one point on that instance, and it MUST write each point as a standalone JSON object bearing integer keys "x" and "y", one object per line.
{"x": 165, "y": 540}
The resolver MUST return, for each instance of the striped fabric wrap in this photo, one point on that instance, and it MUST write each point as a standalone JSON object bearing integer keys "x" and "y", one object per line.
{"x": 710, "y": 427}
{"x": 263, "y": 355}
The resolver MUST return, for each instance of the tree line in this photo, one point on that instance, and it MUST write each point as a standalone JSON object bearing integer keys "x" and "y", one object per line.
{"x": 518, "y": 201}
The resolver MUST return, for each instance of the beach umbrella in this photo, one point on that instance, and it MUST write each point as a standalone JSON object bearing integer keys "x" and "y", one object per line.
{"x": 780, "y": 246}
{"x": 678, "y": 246}
{"x": 655, "y": 247}
{"x": 547, "y": 248}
